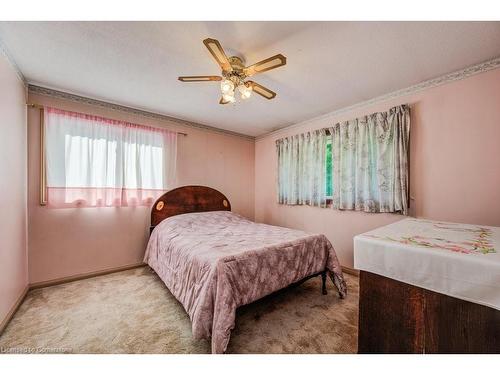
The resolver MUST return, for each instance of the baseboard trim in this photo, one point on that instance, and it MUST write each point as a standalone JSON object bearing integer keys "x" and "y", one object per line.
{"x": 68, "y": 279}
{"x": 350, "y": 271}
{"x": 13, "y": 310}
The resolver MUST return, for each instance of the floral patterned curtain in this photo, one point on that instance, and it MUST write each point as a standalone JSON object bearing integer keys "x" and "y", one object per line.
{"x": 370, "y": 162}
{"x": 301, "y": 169}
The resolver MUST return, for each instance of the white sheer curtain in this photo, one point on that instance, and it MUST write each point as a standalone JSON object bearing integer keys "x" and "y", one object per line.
{"x": 93, "y": 161}
{"x": 370, "y": 162}
{"x": 302, "y": 169}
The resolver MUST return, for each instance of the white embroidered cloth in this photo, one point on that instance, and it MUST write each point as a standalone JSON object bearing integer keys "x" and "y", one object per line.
{"x": 459, "y": 260}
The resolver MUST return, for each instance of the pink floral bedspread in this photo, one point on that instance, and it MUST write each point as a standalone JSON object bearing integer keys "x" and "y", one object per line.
{"x": 214, "y": 262}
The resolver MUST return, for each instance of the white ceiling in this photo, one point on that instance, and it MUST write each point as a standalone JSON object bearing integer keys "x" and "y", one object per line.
{"x": 330, "y": 65}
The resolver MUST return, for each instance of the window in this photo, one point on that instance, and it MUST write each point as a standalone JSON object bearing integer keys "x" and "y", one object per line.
{"x": 93, "y": 161}
{"x": 329, "y": 170}
{"x": 360, "y": 164}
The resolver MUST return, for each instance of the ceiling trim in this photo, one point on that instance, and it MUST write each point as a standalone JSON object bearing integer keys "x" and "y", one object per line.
{"x": 4, "y": 52}
{"x": 447, "y": 78}
{"x": 35, "y": 89}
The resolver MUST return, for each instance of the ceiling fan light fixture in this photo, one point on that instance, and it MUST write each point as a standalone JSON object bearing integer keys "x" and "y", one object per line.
{"x": 227, "y": 86}
{"x": 229, "y": 97}
{"x": 245, "y": 91}
{"x": 234, "y": 73}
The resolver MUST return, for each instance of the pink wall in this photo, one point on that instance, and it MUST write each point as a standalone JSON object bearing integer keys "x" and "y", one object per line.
{"x": 67, "y": 242}
{"x": 455, "y": 175}
{"x": 454, "y": 160}
{"x": 13, "y": 255}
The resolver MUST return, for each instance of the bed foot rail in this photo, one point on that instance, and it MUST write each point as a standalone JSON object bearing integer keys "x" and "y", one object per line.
{"x": 323, "y": 282}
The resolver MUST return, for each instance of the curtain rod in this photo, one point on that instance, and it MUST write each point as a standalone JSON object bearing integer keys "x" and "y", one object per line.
{"x": 39, "y": 106}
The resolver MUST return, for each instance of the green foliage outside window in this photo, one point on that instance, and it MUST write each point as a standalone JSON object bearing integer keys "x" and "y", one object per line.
{"x": 329, "y": 167}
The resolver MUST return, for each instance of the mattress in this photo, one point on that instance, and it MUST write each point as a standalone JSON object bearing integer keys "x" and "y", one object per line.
{"x": 214, "y": 262}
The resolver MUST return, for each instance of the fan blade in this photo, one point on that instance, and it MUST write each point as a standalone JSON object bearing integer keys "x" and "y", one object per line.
{"x": 261, "y": 90}
{"x": 218, "y": 53}
{"x": 265, "y": 65}
{"x": 222, "y": 101}
{"x": 199, "y": 78}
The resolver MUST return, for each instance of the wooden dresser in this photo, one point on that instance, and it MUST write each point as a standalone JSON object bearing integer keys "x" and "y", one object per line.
{"x": 429, "y": 287}
{"x": 396, "y": 317}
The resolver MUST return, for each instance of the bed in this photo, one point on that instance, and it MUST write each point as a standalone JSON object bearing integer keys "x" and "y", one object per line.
{"x": 214, "y": 261}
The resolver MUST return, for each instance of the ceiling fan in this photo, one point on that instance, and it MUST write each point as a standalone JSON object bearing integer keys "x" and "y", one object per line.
{"x": 234, "y": 74}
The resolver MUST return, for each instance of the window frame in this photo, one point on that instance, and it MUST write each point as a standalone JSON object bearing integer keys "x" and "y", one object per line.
{"x": 43, "y": 162}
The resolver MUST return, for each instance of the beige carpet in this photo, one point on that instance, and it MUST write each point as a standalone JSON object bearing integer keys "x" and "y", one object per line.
{"x": 133, "y": 312}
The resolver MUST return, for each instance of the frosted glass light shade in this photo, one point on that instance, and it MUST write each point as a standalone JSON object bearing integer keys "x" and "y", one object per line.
{"x": 229, "y": 97}
{"x": 226, "y": 86}
{"x": 245, "y": 91}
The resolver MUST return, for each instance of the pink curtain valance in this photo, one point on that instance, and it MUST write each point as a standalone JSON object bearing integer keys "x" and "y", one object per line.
{"x": 103, "y": 120}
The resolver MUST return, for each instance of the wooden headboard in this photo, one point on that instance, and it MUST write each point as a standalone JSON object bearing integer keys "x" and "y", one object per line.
{"x": 186, "y": 199}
